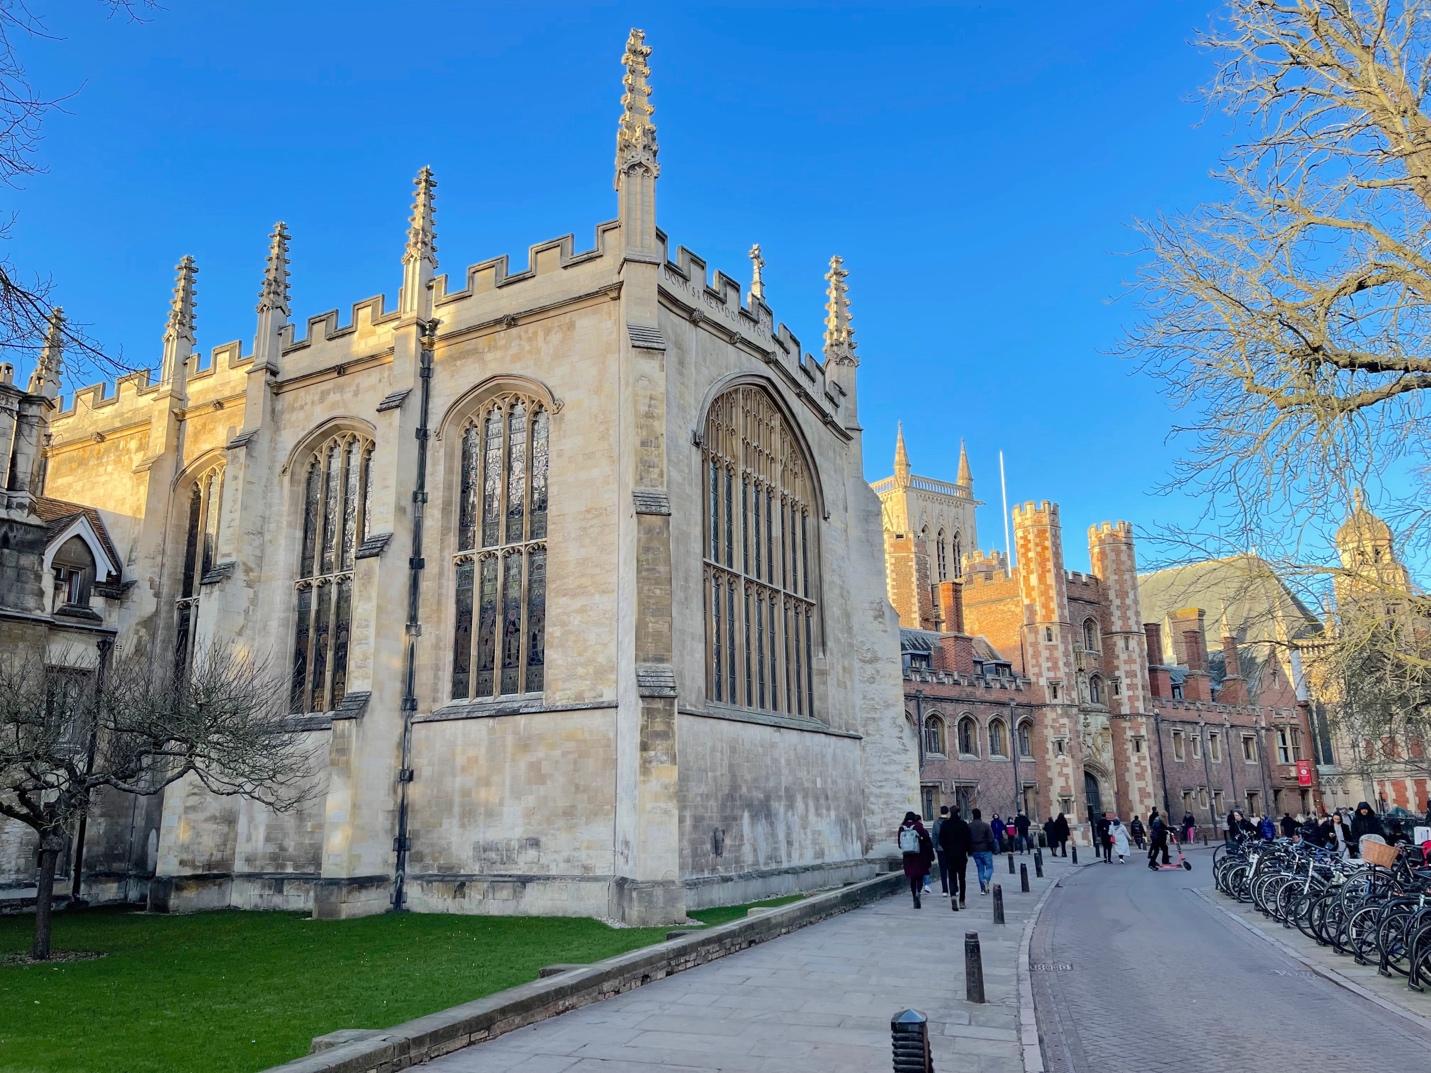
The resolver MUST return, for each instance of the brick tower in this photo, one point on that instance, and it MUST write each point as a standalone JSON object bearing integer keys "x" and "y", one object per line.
{"x": 1125, "y": 662}
{"x": 1048, "y": 651}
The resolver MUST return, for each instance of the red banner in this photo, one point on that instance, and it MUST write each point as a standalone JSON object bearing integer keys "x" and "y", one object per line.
{"x": 1304, "y": 773}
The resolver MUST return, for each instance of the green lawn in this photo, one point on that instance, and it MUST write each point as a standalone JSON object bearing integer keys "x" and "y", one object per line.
{"x": 724, "y": 914}
{"x": 233, "y": 992}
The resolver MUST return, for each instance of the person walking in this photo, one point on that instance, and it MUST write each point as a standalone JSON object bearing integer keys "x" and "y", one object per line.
{"x": 1341, "y": 832}
{"x": 1119, "y": 836}
{"x": 1021, "y": 829}
{"x": 1189, "y": 829}
{"x": 1364, "y": 822}
{"x": 1048, "y": 836}
{"x": 998, "y": 827}
{"x": 1289, "y": 825}
{"x": 981, "y": 848}
{"x": 1266, "y": 828}
{"x": 1139, "y": 832}
{"x": 938, "y": 850}
{"x": 953, "y": 848}
{"x": 1157, "y": 840}
{"x": 1060, "y": 834}
{"x": 1104, "y": 844}
{"x": 917, "y": 849}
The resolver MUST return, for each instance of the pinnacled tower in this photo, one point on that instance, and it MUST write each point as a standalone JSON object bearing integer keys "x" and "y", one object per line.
{"x": 419, "y": 256}
{"x": 841, "y": 362}
{"x": 964, "y": 480}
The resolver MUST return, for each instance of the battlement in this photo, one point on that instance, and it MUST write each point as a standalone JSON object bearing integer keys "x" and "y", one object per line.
{"x": 984, "y": 566}
{"x": 686, "y": 280}
{"x": 543, "y": 259}
{"x": 127, "y": 398}
{"x": 1110, "y": 532}
{"x": 1040, "y": 513}
{"x": 1091, "y": 583}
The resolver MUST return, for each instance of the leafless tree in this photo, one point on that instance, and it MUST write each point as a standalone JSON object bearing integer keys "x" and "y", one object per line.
{"x": 26, "y": 291}
{"x": 1292, "y": 322}
{"x": 74, "y": 727}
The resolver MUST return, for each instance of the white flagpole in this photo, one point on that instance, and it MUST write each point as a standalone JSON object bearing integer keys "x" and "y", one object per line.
{"x": 1004, "y": 494}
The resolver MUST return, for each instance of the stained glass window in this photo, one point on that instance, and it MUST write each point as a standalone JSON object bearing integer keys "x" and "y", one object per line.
{"x": 761, "y": 608}
{"x": 201, "y": 537}
{"x": 499, "y": 641}
{"x": 335, "y": 521}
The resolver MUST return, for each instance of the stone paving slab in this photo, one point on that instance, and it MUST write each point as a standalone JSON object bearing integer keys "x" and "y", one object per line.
{"x": 818, "y": 1000}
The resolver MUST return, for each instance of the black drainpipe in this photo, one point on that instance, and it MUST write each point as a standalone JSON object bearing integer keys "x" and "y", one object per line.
{"x": 1162, "y": 770}
{"x": 414, "y": 625}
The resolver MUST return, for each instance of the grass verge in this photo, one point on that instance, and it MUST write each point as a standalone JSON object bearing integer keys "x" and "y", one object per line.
{"x": 234, "y": 992}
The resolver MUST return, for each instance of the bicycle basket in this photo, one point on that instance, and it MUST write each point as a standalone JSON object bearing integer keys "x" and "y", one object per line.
{"x": 1376, "y": 853}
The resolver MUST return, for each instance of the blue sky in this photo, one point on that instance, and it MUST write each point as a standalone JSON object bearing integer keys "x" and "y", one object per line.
{"x": 978, "y": 166}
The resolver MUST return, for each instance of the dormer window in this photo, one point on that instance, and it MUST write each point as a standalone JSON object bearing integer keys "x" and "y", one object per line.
{"x": 73, "y": 567}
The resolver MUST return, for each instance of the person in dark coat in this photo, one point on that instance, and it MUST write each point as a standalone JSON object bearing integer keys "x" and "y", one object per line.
{"x": 954, "y": 849}
{"x": 1060, "y": 834}
{"x": 1138, "y": 831}
{"x": 1364, "y": 822}
{"x": 1157, "y": 840}
{"x": 1234, "y": 825}
{"x": 1266, "y": 829}
{"x": 1048, "y": 837}
{"x": 1189, "y": 829}
{"x": 1021, "y": 829}
{"x": 1102, "y": 832}
{"x": 999, "y": 828}
{"x": 943, "y": 864}
{"x": 1289, "y": 825}
{"x": 917, "y": 849}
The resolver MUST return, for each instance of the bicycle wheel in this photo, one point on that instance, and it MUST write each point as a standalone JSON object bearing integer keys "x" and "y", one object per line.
{"x": 1361, "y": 930}
{"x": 1393, "y": 938}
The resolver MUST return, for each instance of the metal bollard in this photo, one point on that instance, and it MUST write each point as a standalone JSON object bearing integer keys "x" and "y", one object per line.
{"x": 1024, "y": 878}
{"x": 1011, "y": 862}
{"x": 1038, "y": 865}
{"x": 973, "y": 968}
{"x": 998, "y": 903}
{"x": 909, "y": 1033}
{"x": 1038, "y": 858}
{"x": 1075, "y": 854}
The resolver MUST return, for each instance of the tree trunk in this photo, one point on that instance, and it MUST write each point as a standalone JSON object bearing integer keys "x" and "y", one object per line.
{"x": 44, "y": 898}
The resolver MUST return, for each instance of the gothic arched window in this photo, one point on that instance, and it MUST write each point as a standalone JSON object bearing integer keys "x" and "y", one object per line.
{"x": 761, "y": 557}
{"x": 968, "y": 736}
{"x": 1090, "y": 634}
{"x": 941, "y": 548}
{"x": 1026, "y": 738}
{"x": 499, "y": 644}
{"x": 934, "y": 735}
{"x": 958, "y": 551}
{"x": 998, "y": 738}
{"x": 201, "y": 534}
{"x": 1095, "y": 690}
{"x": 335, "y": 521}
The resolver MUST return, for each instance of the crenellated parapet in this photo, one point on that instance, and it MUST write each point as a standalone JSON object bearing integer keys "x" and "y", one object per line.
{"x": 721, "y": 303}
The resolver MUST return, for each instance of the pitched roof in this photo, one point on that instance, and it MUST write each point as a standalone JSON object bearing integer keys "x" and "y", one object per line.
{"x": 57, "y": 514}
{"x": 1257, "y": 602}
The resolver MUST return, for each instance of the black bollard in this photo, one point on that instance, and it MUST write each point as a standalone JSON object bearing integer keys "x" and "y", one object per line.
{"x": 1011, "y": 862}
{"x": 1075, "y": 854}
{"x": 998, "y": 903}
{"x": 909, "y": 1033}
{"x": 1038, "y": 858}
{"x": 1038, "y": 865}
{"x": 1024, "y": 878}
{"x": 973, "y": 968}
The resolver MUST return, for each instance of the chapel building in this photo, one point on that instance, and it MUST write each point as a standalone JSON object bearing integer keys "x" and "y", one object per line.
{"x": 570, "y": 569}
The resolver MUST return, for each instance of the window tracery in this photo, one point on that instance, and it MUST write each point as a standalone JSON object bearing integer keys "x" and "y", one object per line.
{"x": 499, "y": 642}
{"x": 335, "y": 520}
{"x": 201, "y": 534}
{"x": 760, "y": 591}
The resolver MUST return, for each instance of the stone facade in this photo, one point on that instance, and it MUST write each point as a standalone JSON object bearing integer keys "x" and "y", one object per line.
{"x": 607, "y": 781}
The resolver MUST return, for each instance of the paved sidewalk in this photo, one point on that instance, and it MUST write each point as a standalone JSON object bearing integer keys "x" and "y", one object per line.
{"x": 816, "y": 1001}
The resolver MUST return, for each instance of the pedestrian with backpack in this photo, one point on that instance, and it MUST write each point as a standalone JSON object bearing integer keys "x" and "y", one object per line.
{"x": 1138, "y": 831}
{"x": 917, "y": 849}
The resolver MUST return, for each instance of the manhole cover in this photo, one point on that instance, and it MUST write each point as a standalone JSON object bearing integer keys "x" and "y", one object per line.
{"x": 1050, "y": 966}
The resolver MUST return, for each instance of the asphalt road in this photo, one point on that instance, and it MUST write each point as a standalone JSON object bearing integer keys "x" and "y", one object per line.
{"x": 1135, "y": 973}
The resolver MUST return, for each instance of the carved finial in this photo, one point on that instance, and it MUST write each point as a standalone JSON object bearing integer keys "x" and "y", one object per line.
{"x": 839, "y": 331}
{"x": 901, "y": 456}
{"x": 45, "y": 380}
{"x": 421, "y": 229}
{"x": 179, "y": 328}
{"x": 757, "y": 283}
{"x": 965, "y": 478}
{"x": 636, "y": 147}
{"x": 273, "y": 295}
